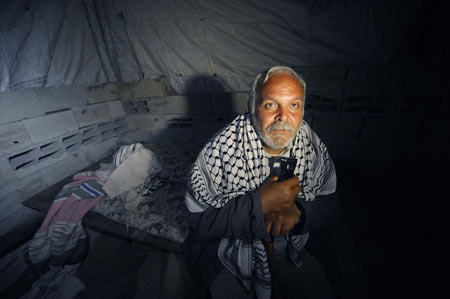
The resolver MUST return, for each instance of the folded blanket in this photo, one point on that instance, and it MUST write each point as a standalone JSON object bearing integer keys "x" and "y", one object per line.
{"x": 59, "y": 246}
{"x": 61, "y": 239}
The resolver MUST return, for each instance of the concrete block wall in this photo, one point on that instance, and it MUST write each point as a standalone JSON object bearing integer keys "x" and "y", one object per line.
{"x": 372, "y": 114}
{"x": 48, "y": 134}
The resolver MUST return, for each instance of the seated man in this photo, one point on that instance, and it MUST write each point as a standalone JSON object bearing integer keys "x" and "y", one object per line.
{"x": 239, "y": 205}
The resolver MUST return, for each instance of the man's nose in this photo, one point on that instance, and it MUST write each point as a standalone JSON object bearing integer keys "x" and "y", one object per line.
{"x": 281, "y": 114}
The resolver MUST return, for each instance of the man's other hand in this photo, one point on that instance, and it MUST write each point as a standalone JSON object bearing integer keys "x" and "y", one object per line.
{"x": 278, "y": 196}
{"x": 281, "y": 223}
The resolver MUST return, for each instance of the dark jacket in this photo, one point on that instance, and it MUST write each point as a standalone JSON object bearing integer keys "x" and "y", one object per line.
{"x": 242, "y": 218}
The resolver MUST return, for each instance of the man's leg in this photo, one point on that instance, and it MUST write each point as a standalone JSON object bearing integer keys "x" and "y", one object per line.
{"x": 227, "y": 286}
{"x": 307, "y": 282}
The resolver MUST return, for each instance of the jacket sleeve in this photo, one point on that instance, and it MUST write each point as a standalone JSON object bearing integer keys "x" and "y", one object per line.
{"x": 318, "y": 214}
{"x": 240, "y": 218}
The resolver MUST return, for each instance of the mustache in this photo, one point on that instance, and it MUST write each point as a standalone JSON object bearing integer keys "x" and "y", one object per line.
{"x": 279, "y": 125}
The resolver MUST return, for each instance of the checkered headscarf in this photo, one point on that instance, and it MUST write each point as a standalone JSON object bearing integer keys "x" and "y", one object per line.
{"x": 233, "y": 163}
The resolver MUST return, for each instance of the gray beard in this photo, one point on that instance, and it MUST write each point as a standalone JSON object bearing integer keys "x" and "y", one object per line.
{"x": 266, "y": 140}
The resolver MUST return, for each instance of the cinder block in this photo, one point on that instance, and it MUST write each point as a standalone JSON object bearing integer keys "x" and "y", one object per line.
{"x": 177, "y": 122}
{"x": 50, "y": 147}
{"x": 376, "y": 129}
{"x": 130, "y": 121}
{"x": 151, "y": 122}
{"x": 120, "y": 122}
{"x": 101, "y": 150}
{"x": 128, "y": 105}
{"x": 355, "y": 104}
{"x": 385, "y": 100}
{"x": 91, "y": 135}
{"x": 396, "y": 131}
{"x": 74, "y": 147}
{"x": 358, "y": 99}
{"x": 29, "y": 185}
{"x": 355, "y": 149}
{"x": 126, "y": 90}
{"x": 138, "y": 107}
{"x": 19, "y": 105}
{"x": 375, "y": 80}
{"x": 72, "y": 164}
{"x": 31, "y": 103}
{"x": 108, "y": 134}
{"x": 133, "y": 107}
{"x": 91, "y": 132}
{"x": 51, "y": 155}
{"x": 193, "y": 104}
{"x": 312, "y": 99}
{"x": 395, "y": 152}
{"x": 64, "y": 97}
{"x": 25, "y": 158}
{"x": 7, "y": 175}
{"x": 106, "y": 126}
{"x": 337, "y": 126}
{"x": 103, "y": 93}
{"x": 152, "y": 88}
{"x": 135, "y": 136}
{"x": 50, "y": 126}
{"x": 329, "y": 104}
{"x": 140, "y": 103}
{"x": 120, "y": 130}
{"x": 116, "y": 109}
{"x": 232, "y": 102}
{"x": 322, "y": 72}
{"x": 325, "y": 86}
{"x": 13, "y": 137}
{"x": 380, "y": 110}
{"x": 72, "y": 139}
{"x": 91, "y": 140}
{"x": 42, "y": 162}
{"x": 91, "y": 114}
{"x": 208, "y": 125}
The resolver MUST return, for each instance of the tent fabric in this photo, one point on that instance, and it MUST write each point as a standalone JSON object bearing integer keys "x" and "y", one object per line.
{"x": 62, "y": 42}
{"x": 51, "y": 43}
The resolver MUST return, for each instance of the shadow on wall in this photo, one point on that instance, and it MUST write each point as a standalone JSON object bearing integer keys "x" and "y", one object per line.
{"x": 204, "y": 108}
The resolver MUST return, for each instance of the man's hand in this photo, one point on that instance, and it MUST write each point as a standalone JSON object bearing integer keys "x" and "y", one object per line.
{"x": 281, "y": 223}
{"x": 279, "y": 196}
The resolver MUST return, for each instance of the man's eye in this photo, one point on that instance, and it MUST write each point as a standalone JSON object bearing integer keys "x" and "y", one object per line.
{"x": 269, "y": 105}
{"x": 295, "y": 105}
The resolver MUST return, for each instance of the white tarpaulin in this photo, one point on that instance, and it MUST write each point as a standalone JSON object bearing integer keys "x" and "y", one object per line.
{"x": 48, "y": 43}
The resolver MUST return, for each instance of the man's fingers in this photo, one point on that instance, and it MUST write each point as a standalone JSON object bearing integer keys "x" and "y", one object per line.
{"x": 268, "y": 226}
{"x": 276, "y": 229}
{"x": 286, "y": 228}
{"x": 273, "y": 179}
{"x": 293, "y": 180}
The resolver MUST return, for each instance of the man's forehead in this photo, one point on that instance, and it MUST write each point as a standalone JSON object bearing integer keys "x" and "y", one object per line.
{"x": 274, "y": 99}
{"x": 281, "y": 84}
{"x": 281, "y": 80}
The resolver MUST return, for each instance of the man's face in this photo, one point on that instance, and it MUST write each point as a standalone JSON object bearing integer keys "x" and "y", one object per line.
{"x": 279, "y": 111}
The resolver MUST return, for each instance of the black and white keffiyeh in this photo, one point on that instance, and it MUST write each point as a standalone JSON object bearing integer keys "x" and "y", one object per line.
{"x": 233, "y": 163}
